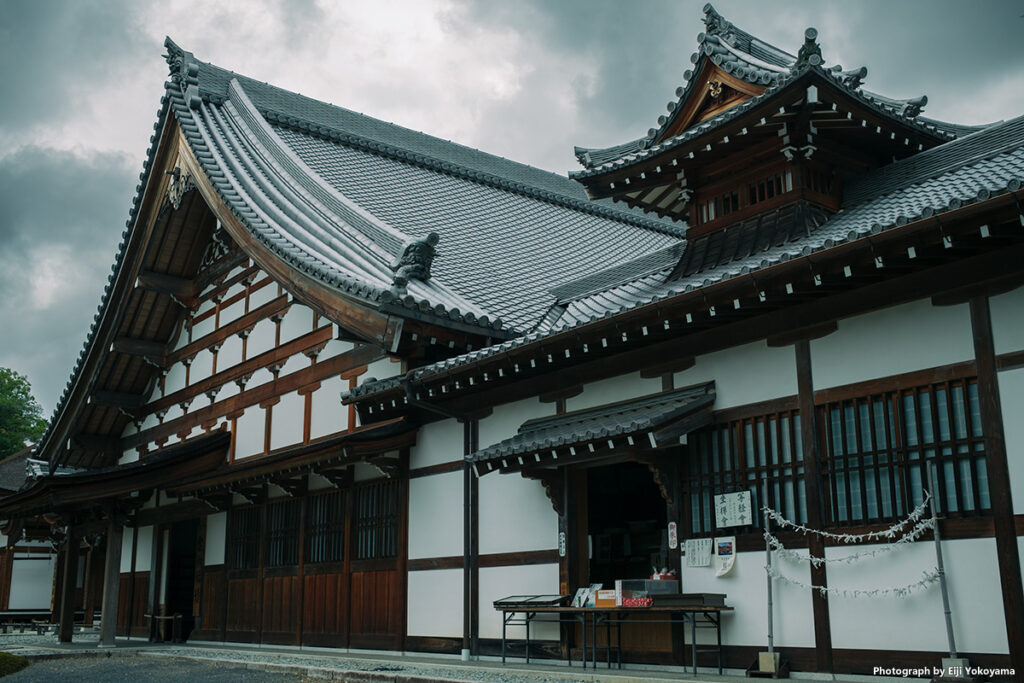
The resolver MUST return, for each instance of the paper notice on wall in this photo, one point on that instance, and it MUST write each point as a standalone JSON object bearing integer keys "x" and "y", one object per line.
{"x": 698, "y": 552}
{"x": 725, "y": 555}
{"x": 733, "y": 509}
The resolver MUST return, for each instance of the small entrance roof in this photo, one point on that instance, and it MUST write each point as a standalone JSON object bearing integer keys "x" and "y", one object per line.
{"x": 661, "y": 418}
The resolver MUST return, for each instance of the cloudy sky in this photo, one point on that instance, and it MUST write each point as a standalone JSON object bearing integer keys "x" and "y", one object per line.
{"x": 81, "y": 82}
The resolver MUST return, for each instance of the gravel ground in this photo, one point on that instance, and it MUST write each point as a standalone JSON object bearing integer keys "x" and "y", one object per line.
{"x": 119, "y": 669}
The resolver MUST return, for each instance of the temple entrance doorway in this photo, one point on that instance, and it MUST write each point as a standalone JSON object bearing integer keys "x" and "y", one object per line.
{"x": 181, "y": 575}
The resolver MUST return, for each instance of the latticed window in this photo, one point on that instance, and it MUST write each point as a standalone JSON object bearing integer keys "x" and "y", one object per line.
{"x": 245, "y": 538}
{"x": 376, "y": 520}
{"x": 326, "y": 540}
{"x": 283, "y": 533}
{"x": 745, "y": 455}
{"x": 879, "y": 449}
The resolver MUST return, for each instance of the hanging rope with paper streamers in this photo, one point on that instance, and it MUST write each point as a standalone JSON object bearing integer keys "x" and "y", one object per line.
{"x": 929, "y": 577}
{"x": 915, "y": 533}
{"x": 891, "y": 533}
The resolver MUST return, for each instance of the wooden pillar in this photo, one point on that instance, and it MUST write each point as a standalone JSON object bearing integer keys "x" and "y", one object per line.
{"x": 111, "y": 584}
{"x": 568, "y": 560}
{"x": 471, "y": 544}
{"x": 999, "y": 480}
{"x": 815, "y": 509}
{"x": 70, "y": 578}
{"x": 153, "y": 598}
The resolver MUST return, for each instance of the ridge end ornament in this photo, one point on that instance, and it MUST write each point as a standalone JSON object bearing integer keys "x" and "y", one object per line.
{"x": 415, "y": 261}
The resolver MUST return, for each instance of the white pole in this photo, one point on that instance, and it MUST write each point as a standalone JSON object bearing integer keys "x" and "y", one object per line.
{"x": 938, "y": 564}
{"x": 768, "y": 572}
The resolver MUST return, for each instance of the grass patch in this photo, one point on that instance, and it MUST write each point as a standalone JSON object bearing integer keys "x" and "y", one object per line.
{"x": 11, "y": 663}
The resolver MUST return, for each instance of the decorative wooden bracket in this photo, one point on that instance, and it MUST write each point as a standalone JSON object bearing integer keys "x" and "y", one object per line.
{"x": 294, "y": 485}
{"x": 217, "y": 500}
{"x": 339, "y": 477}
{"x": 255, "y": 493}
{"x": 665, "y": 470}
{"x": 389, "y": 466}
{"x": 553, "y": 482}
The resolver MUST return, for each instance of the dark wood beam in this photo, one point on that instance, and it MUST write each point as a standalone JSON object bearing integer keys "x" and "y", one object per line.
{"x": 991, "y": 287}
{"x": 815, "y": 502}
{"x": 990, "y": 406}
{"x": 140, "y": 347}
{"x": 96, "y": 443}
{"x": 803, "y": 334}
{"x": 117, "y": 399}
{"x": 670, "y": 434}
{"x": 180, "y": 288}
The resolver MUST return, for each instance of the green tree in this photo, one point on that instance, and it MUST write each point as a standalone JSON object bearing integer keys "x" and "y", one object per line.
{"x": 21, "y": 418}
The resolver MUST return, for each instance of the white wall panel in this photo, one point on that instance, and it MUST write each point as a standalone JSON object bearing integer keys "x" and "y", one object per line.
{"x": 249, "y": 432}
{"x": 335, "y": 347}
{"x": 216, "y": 538}
{"x": 746, "y": 589}
{"x": 202, "y": 367}
{"x": 435, "y": 516}
{"x": 515, "y": 515}
{"x": 381, "y": 369}
{"x": 203, "y": 327}
{"x": 297, "y": 322}
{"x": 362, "y": 471}
{"x": 505, "y": 420}
{"x": 435, "y": 603}
{"x": 500, "y": 582}
{"x": 175, "y": 379}
{"x": 261, "y": 376}
{"x": 175, "y": 411}
{"x": 288, "y": 418}
{"x": 229, "y": 314}
{"x": 1011, "y": 397}
{"x": 126, "y": 549}
{"x": 144, "y": 549}
{"x": 181, "y": 339}
{"x": 744, "y": 374}
{"x": 263, "y": 295}
{"x": 916, "y": 622}
{"x": 261, "y": 339}
{"x": 1008, "y": 320}
{"x": 611, "y": 390}
{"x": 205, "y": 306}
{"x": 32, "y": 583}
{"x": 328, "y": 415}
{"x": 438, "y": 442}
{"x": 230, "y": 353}
{"x": 892, "y": 341}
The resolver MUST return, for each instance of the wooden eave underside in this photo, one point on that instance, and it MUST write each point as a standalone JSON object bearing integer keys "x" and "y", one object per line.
{"x": 947, "y": 259}
{"x": 842, "y": 131}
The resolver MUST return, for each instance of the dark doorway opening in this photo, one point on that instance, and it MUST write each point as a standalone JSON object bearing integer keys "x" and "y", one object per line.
{"x": 626, "y": 521}
{"x": 181, "y": 575}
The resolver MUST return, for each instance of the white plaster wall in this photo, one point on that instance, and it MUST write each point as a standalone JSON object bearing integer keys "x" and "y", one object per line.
{"x": 32, "y": 583}
{"x": 205, "y": 306}
{"x": 130, "y": 455}
{"x": 435, "y": 516}
{"x": 175, "y": 411}
{"x": 610, "y": 390}
{"x": 261, "y": 339}
{"x": 261, "y": 376}
{"x": 202, "y": 367}
{"x": 438, "y": 442}
{"x": 297, "y": 322}
{"x": 364, "y": 472}
{"x": 381, "y": 369}
{"x": 144, "y": 549}
{"x": 916, "y": 622}
{"x": 1008, "y": 320}
{"x": 1011, "y": 397}
{"x": 288, "y": 419}
{"x": 500, "y": 582}
{"x": 181, "y": 339}
{"x": 263, "y": 295}
{"x": 249, "y": 432}
{"x": 505, "y": 420}
{"x": 204, "y": 327}
{"x": 746, "y": 589}
{"x": 435, "y": 603}
{"x": 744, "y": 374}
{"x": 230, "y": 353}
{"x": 126, "y": 550}
{"x": 175, "y": 379}
{"x": 229, "y": 314}
{"x": 292, "y": 364}
{"x": 335, "y": 347}
{"x": 892, "y": 341}
{"x": 515, "y": 515}
{"x": 328, "y": 415}
{"x": 216, "y": 538}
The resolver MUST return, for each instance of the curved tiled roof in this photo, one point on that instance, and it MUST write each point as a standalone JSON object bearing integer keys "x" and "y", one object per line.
{"x": 971, "y": 169}
{"x": 307, "y": 180}
{"x": 757, "y": 62}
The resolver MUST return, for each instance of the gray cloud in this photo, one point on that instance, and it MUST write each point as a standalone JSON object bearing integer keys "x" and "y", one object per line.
{"x": 61, "y": 217}
{"x": 57, "y": 53}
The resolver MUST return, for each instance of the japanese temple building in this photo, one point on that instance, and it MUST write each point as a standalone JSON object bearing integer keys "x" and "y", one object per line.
{"x": 349, "y": 383}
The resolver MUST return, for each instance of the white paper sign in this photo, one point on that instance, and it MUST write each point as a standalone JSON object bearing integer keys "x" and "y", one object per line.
{"x": 725, "y": 555}
{"x": 698, "y": 552}
{"x": 733, "y": 509}
{"x": 673, "y": 536}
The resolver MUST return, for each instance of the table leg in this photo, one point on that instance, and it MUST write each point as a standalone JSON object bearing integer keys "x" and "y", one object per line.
{"x": 527, "y": 638}
{"x": 504, "y": 625}
{"x": 718, "y": 633}
{"x": 693, "y": 640}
